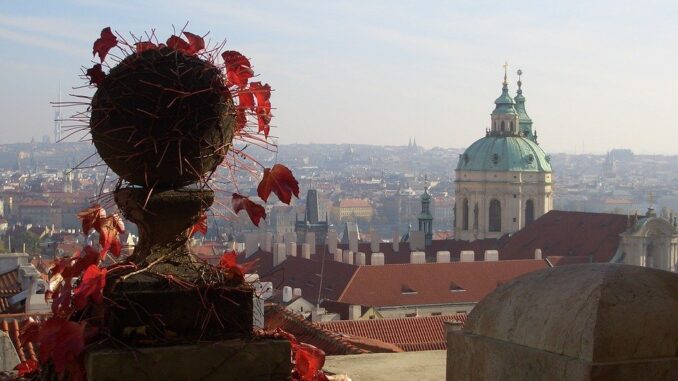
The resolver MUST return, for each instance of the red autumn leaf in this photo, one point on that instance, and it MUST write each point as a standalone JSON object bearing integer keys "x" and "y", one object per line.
{"x": 238, "y": 68}
{"x": 104, "y": 43}
{"x": 91, "y": 286}
{"x": 176, "y": 43}
{"x": 280, "y": 181}
{"x": 90, "y": 217}
{"x": 61, "y": 341}
{"x": 263, "y": 95}
{"x": 80, "y": 263}
{"x": 246, "y": 99}
{"x": 200, "y": 226}
{"x": 27, "y": 368}
{"x": 30, "y": 332}
{"x": 95, "y": 74}
{"x": 255, "y": 211}
{"x": 143, "y": 46}
{"x": 309, "y": 361}
{"x": 263, "y": 122}
{"x": 61, "y": 301}
{"x": 109, "y": 229}
{"x": 196, "y": 43}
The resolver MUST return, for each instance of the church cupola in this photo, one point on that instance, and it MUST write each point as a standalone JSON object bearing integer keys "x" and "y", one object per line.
{"x": 426, "y": 218}
{"x": 525, "y": 120}
{"x": 505, "y": 121}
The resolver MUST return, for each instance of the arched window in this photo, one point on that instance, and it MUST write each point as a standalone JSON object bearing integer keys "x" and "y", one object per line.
{"x": 529, "y": 212}
{"x": 511, "y": 126}
{"x": 502, "y": 126}
{"x": 495, "y": 216}
{"x": 464, "y": 219}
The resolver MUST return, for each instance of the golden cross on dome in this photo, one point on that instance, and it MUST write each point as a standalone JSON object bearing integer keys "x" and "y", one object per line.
{"x": 505, "y": 65}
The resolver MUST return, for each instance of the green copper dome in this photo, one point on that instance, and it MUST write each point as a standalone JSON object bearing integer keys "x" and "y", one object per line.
{"x": 504, "y": 153}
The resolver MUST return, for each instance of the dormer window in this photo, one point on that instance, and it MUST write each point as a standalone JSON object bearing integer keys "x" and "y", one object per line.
{"x": 407, "y": 290}
{"x": 454, "y": 287}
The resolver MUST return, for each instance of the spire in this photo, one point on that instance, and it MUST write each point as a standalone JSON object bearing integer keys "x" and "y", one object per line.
{"x": 525, "y": 120}
{"x": 504, "y": 102}
{"x": 505, "y": 72}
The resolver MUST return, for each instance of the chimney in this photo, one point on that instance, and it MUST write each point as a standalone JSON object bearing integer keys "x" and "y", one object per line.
{"x": 287, "y": 294}
{"x": 332, "y": 239}
{"x": 338, "y": 255}
{"x": 290, "y": 237}
{"x": 374, "y": 241}
{"x": 348, "y": 257}
{"x": 396, "y": 241}
{"x": 279, "y": 254}
{"x": 360, "y": 259}
{"x": 467, "y": 256}
{"x": 296, "y": 292}
{"x": 291, "y": 249}
{"x": 306, "y": 251}
{"x": 353, "y": 242}
{"x": 251, "y": 243}
{"x": 310, "y": 240}
{"x": 377, "y": 259}
{"x": 537, "y": 253}
{"x": 354, "y": 312}
{"x": 417, "y": 257}
{"x": 417, "y": 240}
{"x": 491, "y": 255}
{"x": 266, "y": 241}
{"x": 443, "y": 257}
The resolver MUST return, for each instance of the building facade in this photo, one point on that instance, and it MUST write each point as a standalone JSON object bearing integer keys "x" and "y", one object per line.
{"x": 504, "y": 180}
{"x": 650, "y": 241}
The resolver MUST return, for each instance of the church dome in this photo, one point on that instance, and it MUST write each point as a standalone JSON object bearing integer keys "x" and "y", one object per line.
{"x": 504, "y": 153}
{"x": 595, "y": 312}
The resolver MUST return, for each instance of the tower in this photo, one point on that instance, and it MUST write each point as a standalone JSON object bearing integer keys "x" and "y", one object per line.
{"x": 311, "y": 222}
{"x": 425, "y": 217}
{"x": 57, "y": 119}
{"x": 503, "y": 180}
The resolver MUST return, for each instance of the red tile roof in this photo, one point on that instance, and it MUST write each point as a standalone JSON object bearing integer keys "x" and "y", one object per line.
{"x": 305, "y": 274}
{"x": 561, "y": 233}
{"x": 12, "y": 325}
{"x": 431, "y": 283}
{"x": 308, "y": 332}
{"x": 9, "y": 286}
{"x": 410, "y": 334}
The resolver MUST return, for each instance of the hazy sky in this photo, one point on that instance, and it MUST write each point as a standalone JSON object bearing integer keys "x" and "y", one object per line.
{"x": 597, "y": 74}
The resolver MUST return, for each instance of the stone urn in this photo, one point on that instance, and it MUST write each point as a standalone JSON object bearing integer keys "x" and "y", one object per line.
{"x": 163, "y": 121}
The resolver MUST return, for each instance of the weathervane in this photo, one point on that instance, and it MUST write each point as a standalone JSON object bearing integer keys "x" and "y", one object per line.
{"x": 520, "y": 83}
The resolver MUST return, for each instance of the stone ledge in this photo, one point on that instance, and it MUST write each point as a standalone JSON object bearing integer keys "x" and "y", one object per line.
{"x": 259, "y": 360}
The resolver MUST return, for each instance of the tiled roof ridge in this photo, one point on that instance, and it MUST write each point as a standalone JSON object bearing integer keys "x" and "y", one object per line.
{"x": 348, "y": 284}
{"x": 315, "y": 328}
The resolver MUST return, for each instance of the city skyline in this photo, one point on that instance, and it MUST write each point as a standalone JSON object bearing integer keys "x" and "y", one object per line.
{"x": 596, "y": 76}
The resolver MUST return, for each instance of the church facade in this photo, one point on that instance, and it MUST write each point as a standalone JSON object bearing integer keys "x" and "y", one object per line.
{"x": 504, "y": 180}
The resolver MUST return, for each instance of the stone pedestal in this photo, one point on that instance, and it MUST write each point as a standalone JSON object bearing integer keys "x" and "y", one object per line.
{"x": 234, "y": 360}
{"x": 171, "y": 296}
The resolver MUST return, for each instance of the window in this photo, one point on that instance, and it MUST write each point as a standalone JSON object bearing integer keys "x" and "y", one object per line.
{"x": 495, "y": 216}
{"x": 464, "y": 220}
{"x": 529, "y": 212}
{"x": 502, "y": 126}
{"x": 511, "y": 126}
{"x": 436, "y": 313}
